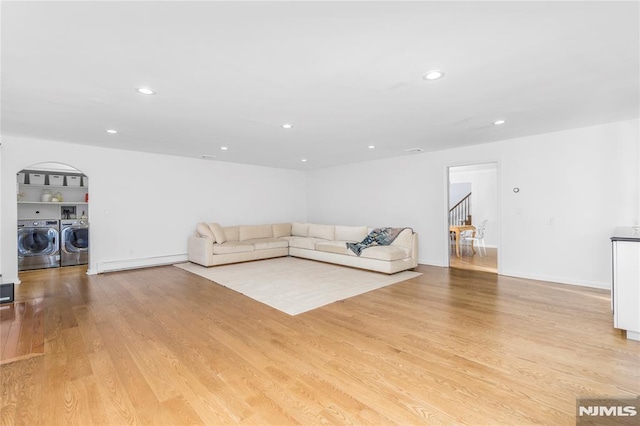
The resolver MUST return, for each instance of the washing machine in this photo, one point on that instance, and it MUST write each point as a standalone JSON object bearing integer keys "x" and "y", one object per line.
{"x": 74, "y": 242}
{"x": 38, "y": 244}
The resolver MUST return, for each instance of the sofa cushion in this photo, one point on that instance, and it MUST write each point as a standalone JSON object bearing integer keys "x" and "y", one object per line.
{"x": 281, "y": 230}
{"x": 326, "y": 232}
{"x": 387, "y": 253}
{"x": 337, "y": 247}
{"x": 404, "y": 239}
{"x": 351, "y": 233}
{"x": 250, "y": 232}
{"x": 303, "y": 242}
{"x": 218, "y": 233}
{"x": 267, "y": 243}
{"x": 300, "y": 229}
{"x": 232, "y": 247}
{"x": 231, "y": 233}
{"x": 203, "y": 230}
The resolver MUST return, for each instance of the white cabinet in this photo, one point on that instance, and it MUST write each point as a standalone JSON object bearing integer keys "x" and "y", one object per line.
{"x": 626, "y": 281}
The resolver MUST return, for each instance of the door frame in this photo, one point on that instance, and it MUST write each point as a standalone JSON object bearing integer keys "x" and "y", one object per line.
{"x": 48, "y": 165}
{"x": 447, "y": 183}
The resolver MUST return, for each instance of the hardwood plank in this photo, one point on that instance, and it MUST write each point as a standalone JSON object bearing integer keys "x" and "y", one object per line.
{"x": 90, "y": 336}
{"x": 60, "y": 401}
{"x": 22, "y": 331}
{"x": 25, "y": 329}
{"x": 134, "y": 383}
{"x": 37, "y": 343}
{"x": 181, "y": 411}
{"x": 92, "y": 403}
{"x": 77, "y": 362}
{"x": 12, "y": 333}
{"x": 22, "y": 392}
{"x": 118, "y": 407}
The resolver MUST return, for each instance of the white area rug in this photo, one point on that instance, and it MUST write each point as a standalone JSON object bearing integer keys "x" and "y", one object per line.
{"x": 294, "y": 285}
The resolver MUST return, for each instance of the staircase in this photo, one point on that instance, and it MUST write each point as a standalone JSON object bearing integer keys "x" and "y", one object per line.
{"x": 460, "y": 214}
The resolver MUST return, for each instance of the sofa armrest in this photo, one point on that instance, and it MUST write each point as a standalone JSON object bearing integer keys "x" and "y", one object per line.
{"x": 200, "y": 250}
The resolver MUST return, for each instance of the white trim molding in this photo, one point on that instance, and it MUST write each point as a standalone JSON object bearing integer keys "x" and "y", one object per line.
{"x": 558, "y": 280}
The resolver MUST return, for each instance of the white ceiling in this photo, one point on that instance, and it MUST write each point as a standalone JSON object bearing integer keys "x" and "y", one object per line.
{"x": 345, "y": 74}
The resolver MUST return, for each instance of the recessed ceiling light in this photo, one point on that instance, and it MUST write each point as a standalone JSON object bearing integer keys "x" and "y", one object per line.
{"x": 433, "y": 75}
{"x": 208, "y": 157}
{"x": 371, "y": 146}
{"x": 304, "y": 160}
{"x": 287, "y": 126}
{"x": 224, "y": 148}
{"x": 112, "y": 131}
{"x": 145, "y": 91}
{"x": 498, "y": 122}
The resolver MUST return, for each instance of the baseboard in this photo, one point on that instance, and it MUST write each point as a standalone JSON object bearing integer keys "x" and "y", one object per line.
{"x": 559, "y": 280}
{"x": 147, "y": 262}
{"x": 430, "y": 262}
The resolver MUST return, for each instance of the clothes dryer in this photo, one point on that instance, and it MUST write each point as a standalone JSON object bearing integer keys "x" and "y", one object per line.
{"x": 74, "y": 240}
{"x": 38, "y": 244}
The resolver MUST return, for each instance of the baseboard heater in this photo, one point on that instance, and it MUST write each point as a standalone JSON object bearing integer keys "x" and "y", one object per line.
{"x": 147, "y": 262}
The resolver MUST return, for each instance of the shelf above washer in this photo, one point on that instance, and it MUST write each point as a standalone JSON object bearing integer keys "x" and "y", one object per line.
{"x": 56, "y": 203}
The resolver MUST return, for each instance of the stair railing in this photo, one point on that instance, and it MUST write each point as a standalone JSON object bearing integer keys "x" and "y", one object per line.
{"x": 460, "y": 214}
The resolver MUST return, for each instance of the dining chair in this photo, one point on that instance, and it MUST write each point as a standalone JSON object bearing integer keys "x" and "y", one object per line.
{"x": 478, "y": 240}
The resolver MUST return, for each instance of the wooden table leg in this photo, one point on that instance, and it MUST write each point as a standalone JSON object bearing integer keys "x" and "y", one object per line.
{"x": 473, "y": 250}
{"x": 457, "y": 231}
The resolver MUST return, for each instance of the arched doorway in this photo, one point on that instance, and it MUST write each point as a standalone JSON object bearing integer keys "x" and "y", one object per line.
{"x": 53, "y": 216}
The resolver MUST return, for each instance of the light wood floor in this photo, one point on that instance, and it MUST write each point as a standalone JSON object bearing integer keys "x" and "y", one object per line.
{"x": 162, "y": 346}
{"x": 21, "y": 329}
{"x": 473, "y": 261}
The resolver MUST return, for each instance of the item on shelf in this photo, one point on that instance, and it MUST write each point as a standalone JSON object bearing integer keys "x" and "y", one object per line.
{"x": 73, "y": 180}
{"x": 56, "y": 198}
{"x": 21, "y": 177}
{"x": 36, "y": 179}
{"x": 68, "y": 212}
{"x": 85, "y": 181}
{"x": 46, "y": 196}
{"x": 57, "y": 180}
{"x": 86, "y": 197}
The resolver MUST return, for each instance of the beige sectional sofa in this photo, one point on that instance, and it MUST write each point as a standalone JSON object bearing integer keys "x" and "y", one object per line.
{"x": 213, "y": 245}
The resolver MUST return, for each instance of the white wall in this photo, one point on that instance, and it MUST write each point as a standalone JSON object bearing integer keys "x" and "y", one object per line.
{"x": 576, "y": 186}
{"x": 457, "y": 191}
{"x": 483, "y": 180}
{"x": 144, "y": 206}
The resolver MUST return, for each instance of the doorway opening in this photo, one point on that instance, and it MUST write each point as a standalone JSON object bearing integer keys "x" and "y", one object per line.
{"x": 473, "y": 217}
{"x": 53, "y": 217}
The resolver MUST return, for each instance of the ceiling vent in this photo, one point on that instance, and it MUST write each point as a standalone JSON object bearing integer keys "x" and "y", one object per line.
{"x": 414, "y": 150}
